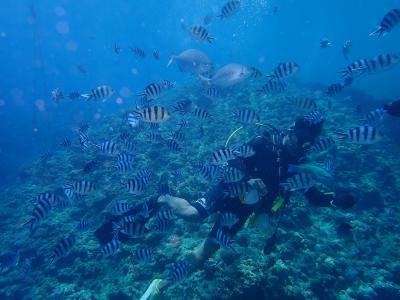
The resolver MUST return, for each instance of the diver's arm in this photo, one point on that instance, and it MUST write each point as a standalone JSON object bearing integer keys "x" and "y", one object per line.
{"x": 182, "y": 208}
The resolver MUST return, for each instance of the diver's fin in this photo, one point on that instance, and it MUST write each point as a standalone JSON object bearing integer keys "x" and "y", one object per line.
{"x": 152, "y": 291}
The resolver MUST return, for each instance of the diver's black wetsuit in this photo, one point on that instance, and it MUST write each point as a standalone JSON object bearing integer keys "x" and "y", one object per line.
{"x": 263, "y": 165}
{"x": 393, "y": 108}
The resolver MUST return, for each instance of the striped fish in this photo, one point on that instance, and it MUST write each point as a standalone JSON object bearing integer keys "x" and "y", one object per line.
{"x": 144, "y": 175}
{"x": 224, "y": 240}
{"x": 347, "y": 48}
{"x": 109, "y": 249}
{"x": 179, "y": 271}
{"x": 102, "y": 92}
{"x": 84, "y": 141}
{"x": 314, "y": 117}
{"x": 238, "y": 189}
{"x": 153, "y": 114}
{"x": 222, "y": 156}
{"x": 228, "y": 219}
{"x": 133, "y": 120}
{"x": 255, "y": 73}
{"x": 284, "y": 70}
{"x": 156, "y": 55}
{"x": 66, "y": 142}
{"x": 162, "y": 225}
{"x": 154, "y": 136}
{"x": 301, "y": 181}
{"x": 210, "y": 172}
{"x": 51, "y": 198}
{"x": 63, "y": 248}
{"x": 83, "y": 127}
{"x": 57, "y": 95}
{"x": 244, "y": 151}
{"x": 184, "y": 107}
{"x": 152, "y": 91}
{"x": 232, "y": 175}
{"x": 362, "y": 135}
{"x": 123, "y": 166}
{"x": 229, "y": 9}
{"x": 131, "y": 229}
{"x": 130, "y": 146}
{"x": 246, "y": 116}
{"x": 302, "y": 102}
{"x": 138, "y": 52}
{"x": 389, "y": 21}
{"x": 213, "y": 93}
{"x": 143, "y": 254}
{"x": 120, "y": 208}
{"x": 323, "y": 144}
{"x": 173, "y": 145}
{"x": 82, "y": 187}
{"x": 201, "y": 113}
{"x": 178, "y": 136}
{"x": 273, "y": 86}
{"x": 382, "y": 62}
{"x": 109, "y": 148}
{"x": 356, "y": 68}
{"x": 166, "y": 214}
{"x": 374, "y": 116}
{"x": 135, "y": 186}
{"x": 200, "y": 33}
{"x": 334, "y": 89}
{"x": 83, "y": 224}
{"x": 127, "y": 219}
{"x": 40, "y": 211}
{"x": 125, "y": 157}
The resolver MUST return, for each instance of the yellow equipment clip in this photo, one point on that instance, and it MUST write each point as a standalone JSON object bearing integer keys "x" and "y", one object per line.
{"x": 278, "y": 203}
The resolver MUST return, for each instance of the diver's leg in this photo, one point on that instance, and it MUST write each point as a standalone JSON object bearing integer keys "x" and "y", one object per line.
{"x": 197, "y": 257}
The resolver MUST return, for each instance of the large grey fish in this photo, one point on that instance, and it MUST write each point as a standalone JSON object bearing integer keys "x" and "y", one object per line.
{"x": 192, "y": 61}
{"x": 229, "y": 75}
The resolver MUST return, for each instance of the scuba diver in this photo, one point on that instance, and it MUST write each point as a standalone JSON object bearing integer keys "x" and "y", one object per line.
{"x": 266, "y": 172}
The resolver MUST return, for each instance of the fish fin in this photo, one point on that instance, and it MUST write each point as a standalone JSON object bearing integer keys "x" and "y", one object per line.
{"x": 292, "y": 168}
{"x": 171, "y": 60}
{"x": 380, "y": 32}
{"x": 204, "y": 78}
{"x": 87, "y": 96}
{"x": 210, "y": 39}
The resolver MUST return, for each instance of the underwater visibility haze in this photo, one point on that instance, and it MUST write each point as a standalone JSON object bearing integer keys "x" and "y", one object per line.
{"x": 222, "y": 149}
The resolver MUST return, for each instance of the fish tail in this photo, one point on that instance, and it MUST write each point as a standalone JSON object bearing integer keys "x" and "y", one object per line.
{"x": 379, "y": 32}
{"x": 30, "y": 222}
{"x": 210, "y": 39}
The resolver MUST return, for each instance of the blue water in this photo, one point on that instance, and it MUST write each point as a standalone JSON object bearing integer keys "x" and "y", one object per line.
{"x": 36, "y": 57}
{"x": 48, "y": 44}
